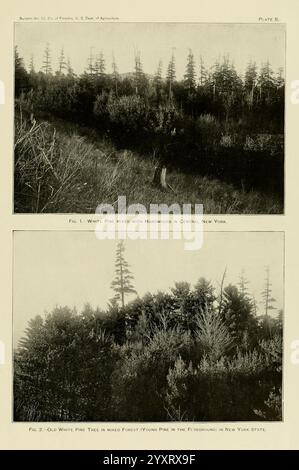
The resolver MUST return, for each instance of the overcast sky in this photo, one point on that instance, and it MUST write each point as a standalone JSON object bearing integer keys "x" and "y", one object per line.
{"x": 72, "y": 268}
{"x": 155, "y": 41}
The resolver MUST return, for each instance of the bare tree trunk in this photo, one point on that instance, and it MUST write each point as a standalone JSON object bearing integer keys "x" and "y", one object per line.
{"x": 163, "y": 177}
{"x": 160, "y": 176}
{"x": 221, "y": 292}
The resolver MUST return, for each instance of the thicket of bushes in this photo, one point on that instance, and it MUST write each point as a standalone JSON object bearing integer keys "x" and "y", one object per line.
{"x": 64, "y": 167}
{"x": 179, "y": 356}
{"x": 227, "y": 127}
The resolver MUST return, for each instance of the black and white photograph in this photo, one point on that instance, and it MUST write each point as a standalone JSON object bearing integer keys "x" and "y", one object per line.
{"x": 145, "y": 331}
{"x": 160, "y": 113}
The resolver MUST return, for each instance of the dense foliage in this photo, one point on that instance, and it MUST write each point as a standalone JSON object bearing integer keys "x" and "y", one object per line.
{"x": 183, "y": 355}
{"x": 213, "y": 123}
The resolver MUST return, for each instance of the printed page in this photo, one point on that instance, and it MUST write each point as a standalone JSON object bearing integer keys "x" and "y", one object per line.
{"x": 148, "y": 226}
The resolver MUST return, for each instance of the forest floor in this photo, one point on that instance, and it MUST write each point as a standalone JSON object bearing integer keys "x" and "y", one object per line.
{"x": 96, "y": 172}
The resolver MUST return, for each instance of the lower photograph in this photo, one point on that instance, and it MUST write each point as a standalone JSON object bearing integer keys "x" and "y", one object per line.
{"x": 147, "y": 331}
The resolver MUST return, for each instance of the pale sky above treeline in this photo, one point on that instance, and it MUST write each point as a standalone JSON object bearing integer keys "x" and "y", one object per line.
{"x": 57, "y": 268}
{"x": 155, "y": 41}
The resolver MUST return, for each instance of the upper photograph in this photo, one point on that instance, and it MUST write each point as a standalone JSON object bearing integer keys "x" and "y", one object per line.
{"x": 161, "y": 113}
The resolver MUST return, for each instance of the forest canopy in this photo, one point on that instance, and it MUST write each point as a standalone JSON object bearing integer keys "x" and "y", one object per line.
{"x": 191, "y": 128}
{"x": 193, "y": 354}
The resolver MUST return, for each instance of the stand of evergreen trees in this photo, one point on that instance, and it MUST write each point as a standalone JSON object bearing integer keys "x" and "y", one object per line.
{"x": 187, "y": 355}
{"x": 213, "y": 121}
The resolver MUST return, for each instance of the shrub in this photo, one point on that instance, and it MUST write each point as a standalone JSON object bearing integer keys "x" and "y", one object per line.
{"x": 62, "y": 370}
{"x": 212, "y": 335}
{"x": 141, "y": 378}
{"x": 177, "y": 394}
{"x": 272, "y": 411}
{"x": 100, "y": 109}
{"x": 208, "y": 133}
{"x": 271, "y": 144}
{"x": 221, "y": 390}
{"x": 163, "y": 119}
{"x": 272, "y": 352}
{"x": 127, "y": 114}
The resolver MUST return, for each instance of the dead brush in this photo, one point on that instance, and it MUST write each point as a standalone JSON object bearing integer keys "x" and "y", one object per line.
{"x": 45, "y": 168}
{"x": 111, "y": 174}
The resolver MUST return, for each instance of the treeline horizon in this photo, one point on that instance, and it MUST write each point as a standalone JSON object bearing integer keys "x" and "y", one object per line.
{"x": 221, "y": 80}
{"x": 123, "y": 286}
{"x": 267, "y": 312}
{"x": 96, "y": 64}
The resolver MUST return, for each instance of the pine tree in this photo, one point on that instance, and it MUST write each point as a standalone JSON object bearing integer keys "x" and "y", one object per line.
{"x": 203, "y": 293}
{"x": 181, "y": 290}
{"x": 170, "y": 76}
{"x": 115, "y": 75}
{"x": 19, "y": 63}
{"x": 214, "y": 74}
{"x": 69, "y": 68}
{"x": 31, "y": 65}
{"x": 122, "y": 284}
{"x": 280, "y": 78}
{"x": 138, "y": 73}
{"x": 21, "y": 76}
{"x": 158, "y": 78}
{"x": 254, "y": 305}
{"x": 279, "y": 320}
{"x": 228, "y": 85}
{"x": 237, "y": 312}
{"x": 46, "y": 65}
{"x": 266, "y": 82}
{"x": 221, "y": 296}
{"x": 190, "y": 75}
{"x": 242, "y": 284}
{"x": 90, "y": 64}
{"x": 203, "y": 76}
{"x": 268, "y": 300}
{"x": 250, "y": 82}
{"x": 100, "y": 65}
{"x": 250, "y": 77}
{"x": 212, "y": 334}
{"x": 62, "y": 65}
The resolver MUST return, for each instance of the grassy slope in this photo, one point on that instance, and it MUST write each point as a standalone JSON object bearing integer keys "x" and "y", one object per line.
{"x": 104, "y": 173}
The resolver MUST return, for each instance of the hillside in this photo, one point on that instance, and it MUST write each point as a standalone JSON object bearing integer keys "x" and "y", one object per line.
{"x": 64, "y": 167}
